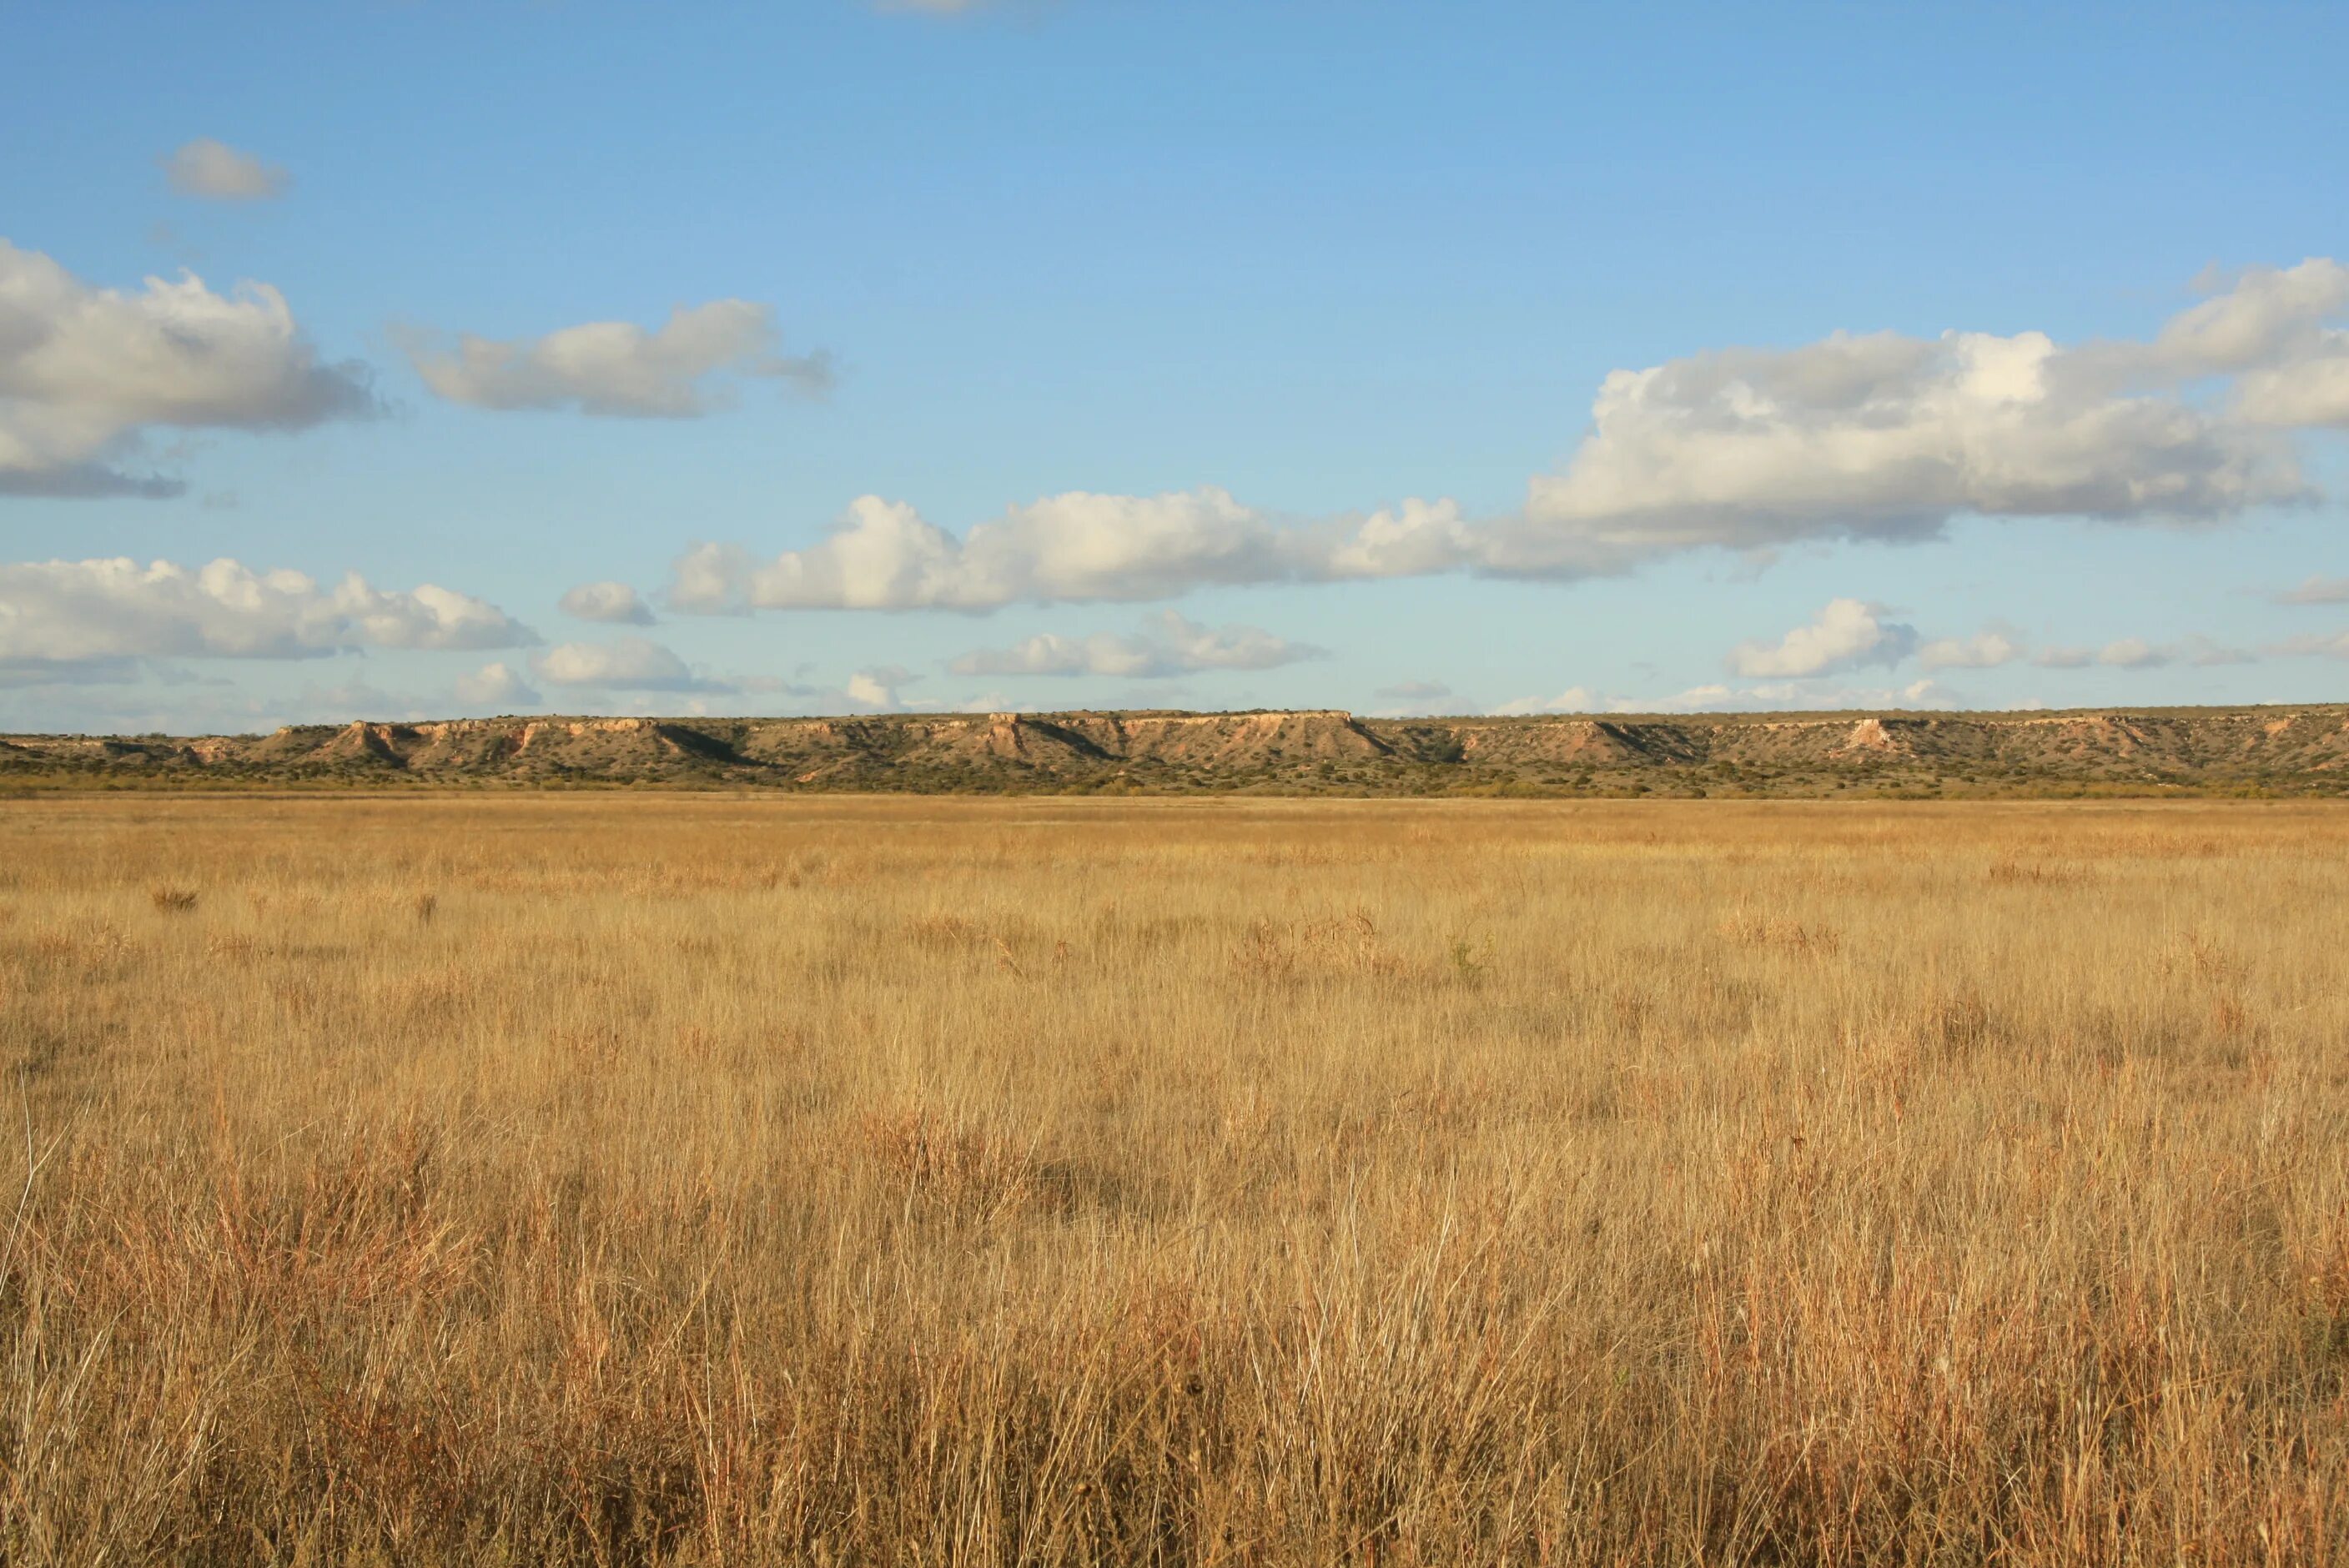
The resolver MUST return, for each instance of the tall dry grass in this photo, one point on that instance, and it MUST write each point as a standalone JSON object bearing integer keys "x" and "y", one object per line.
{"x": 687, "y": 1180}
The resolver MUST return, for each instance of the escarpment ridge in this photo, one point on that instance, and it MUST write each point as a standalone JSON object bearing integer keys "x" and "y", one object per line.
{"x": 2295, "y": 751}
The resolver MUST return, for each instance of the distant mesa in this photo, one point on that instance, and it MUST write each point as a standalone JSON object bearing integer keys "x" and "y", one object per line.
{"x": 2294, "y": 750}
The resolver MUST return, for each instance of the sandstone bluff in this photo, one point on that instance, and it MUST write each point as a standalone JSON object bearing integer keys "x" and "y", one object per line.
{"x": 2294, "y": 750}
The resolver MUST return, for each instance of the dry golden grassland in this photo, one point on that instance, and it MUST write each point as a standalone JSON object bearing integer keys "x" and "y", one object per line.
{"x": 695, "y": 1180}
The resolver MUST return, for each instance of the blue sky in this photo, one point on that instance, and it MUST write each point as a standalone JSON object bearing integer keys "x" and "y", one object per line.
{"x": 1164, "y": 301}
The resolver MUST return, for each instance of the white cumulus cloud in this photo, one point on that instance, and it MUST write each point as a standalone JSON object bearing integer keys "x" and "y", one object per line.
{"x": 67, "y": 613}
{"x": 83, "y": 370}
{"x": 1854, "y": 436}
{"x": 1877, "y": 436}
{"x": 1078, "y": 547}
{"x": 624, "y": 664}
{"x": 497, "y": 684}
{"x": 2273, "y": 330}
{"x": 1847, "y": 634}
{"x": 878, "y": 688}
{"x": 614, "y": 603}
{"x": 219, "y": 172}
{"x": 2132, "y": 654}
{"x": 683, "y": 368}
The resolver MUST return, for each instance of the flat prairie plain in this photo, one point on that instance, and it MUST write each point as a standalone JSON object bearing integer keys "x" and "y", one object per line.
{"x": 687, "y": 1179}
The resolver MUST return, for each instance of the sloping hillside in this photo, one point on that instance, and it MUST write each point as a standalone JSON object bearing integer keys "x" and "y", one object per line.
{"x": 2295, "y": 751}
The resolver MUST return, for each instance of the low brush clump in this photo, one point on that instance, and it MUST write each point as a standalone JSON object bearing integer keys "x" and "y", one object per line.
{"x": 689, "y": 1180}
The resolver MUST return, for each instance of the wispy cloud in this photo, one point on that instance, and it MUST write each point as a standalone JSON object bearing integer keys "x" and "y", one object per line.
{"x": 1171, "y": 645}
{"x": 1985, "y": 650}
{"x": 2315, "y": 591}
{"x": 216, "y": 171}
{"x": 687, "y": 366}
{"x": 2318, "y": 645}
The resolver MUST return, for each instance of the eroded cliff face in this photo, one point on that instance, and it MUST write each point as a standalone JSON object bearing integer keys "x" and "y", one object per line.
{"x": 2303, "y": 749}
